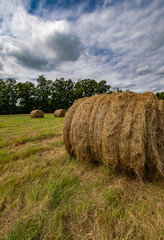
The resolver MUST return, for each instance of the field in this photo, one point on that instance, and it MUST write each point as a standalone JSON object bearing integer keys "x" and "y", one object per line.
{"x": 45, "y": 194}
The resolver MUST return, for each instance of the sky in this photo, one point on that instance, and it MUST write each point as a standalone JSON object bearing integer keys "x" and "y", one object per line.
{"x": 120, "y": 41}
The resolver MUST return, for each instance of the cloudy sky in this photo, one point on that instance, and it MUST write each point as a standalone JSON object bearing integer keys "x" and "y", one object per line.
{"x": 121, "y": 41}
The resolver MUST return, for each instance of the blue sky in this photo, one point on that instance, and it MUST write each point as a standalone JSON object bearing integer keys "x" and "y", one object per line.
{"x": 121, "y": 41}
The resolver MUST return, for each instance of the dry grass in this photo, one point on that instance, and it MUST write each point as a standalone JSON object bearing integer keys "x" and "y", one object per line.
{"x": 46, "y": 195}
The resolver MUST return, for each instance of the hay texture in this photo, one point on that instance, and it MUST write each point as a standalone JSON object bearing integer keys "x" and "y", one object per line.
{"x": 161, "y": 106}
{"x": 60, "y": 113}
{"x": 125, "y": 131}
{"x": 37, "y": 114}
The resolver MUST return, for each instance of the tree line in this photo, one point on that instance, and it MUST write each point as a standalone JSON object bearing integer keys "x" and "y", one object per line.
{"x": 48, "y": 95}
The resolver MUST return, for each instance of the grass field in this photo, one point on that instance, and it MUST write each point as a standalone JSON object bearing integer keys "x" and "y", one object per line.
{"x": 46, "y": 195}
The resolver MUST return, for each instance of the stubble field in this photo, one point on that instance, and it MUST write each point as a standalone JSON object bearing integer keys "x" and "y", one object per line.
{"x": 45, "y": 194}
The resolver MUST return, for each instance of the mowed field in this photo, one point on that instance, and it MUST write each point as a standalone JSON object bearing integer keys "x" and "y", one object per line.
{"x": 45, "y": 194}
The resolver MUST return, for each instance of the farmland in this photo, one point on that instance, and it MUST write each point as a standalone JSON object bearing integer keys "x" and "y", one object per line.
{"x": 45, "y": 194}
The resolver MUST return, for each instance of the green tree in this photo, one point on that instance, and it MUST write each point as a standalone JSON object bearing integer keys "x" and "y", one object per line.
{"x": 26, "y": 96}
{"x": 62, "y": 93}
{"x": 89, "y": 87}
{"x": 160, "y": 95}
{"x": 43, "y": 93}
{"x": 2, "y": 96}
{"x": 8, "y": 96}
{"x": 86, "y": 88}
{"x": 119, "y": 90}
{"x": 103, "y": 87}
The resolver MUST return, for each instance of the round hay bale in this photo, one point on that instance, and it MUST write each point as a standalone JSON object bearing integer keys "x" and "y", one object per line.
{"x": 124, "y": 130}
{"x": 161, "y": 106}
{"x": 59, "y": 113}
{"x": 37, "y": 114}
{"x": 67, "y": 124}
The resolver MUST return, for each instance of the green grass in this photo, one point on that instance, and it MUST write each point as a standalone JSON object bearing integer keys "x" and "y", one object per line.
{"x": 45, "y": 194}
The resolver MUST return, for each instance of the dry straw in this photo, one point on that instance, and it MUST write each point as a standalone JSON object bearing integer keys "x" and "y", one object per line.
{"x": 161, "y": 106}
{"x": 37, "y": 114}
{"x": 125, "y": 131}
{"x": 59, "y": 113}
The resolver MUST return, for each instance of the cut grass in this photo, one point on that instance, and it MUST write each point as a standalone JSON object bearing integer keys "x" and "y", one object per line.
{"x": 46, "y": 195}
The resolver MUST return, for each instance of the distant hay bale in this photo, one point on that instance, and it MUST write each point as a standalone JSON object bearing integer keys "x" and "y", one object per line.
{"x": 37, "y": 114}
{"x": 59, "y": 113}
{"x": 124, "y": 130}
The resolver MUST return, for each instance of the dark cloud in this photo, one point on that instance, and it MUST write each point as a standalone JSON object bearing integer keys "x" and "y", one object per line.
{"x": 131, "y": 85}
{"x": 158, "y": 89}
{"x": 1, "y": 46}
{"x": 124, "y": 87}
{"x": 160, "y": 71}
{"x": 1, "y": 66}
{"x": 67, "y": 47}
{"x": 143, "y": 70}
{"x": 29, "y": 60}
{"x": 157, "y": 42}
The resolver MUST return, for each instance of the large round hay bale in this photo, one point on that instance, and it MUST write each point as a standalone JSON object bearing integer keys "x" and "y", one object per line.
{"x": 124, "y": 130}
{"x": 59, "y": 113}
{"x": 37, "y": 114}
{"x": 161, "y": 106}
{"x": 67, "y": 124}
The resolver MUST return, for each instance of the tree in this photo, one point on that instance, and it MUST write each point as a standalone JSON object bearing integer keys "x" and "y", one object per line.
{"x": 8, "y": 96}
{"x": 86, "y": 88}
{"x": 89, "y": 87}
{"x": 63, "y": 93}
{"x": 26, "y": 96}
{"x": 48, "y": 95}
{"x": 2, "y": 96}
{"x": 160, "y": 95}
{"x": 43, "y": 93}
{"x": 103, "y": 87}
{"x": 119, "y": 90}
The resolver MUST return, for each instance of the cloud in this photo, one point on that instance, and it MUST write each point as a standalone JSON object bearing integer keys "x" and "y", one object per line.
{"x": 106, "y": 42}
{"x": 30, "y": 60}
{"x": 1, "y": 66}
{"x": 39, "y": 44}
{"x": 157, "y": 41}
{"x": 143, "y": 70}
{"x": 160, "y": 71}
{"x": 130, "y": 85}
{"x": 67, "y": 47}
{"x": 57, "y": 48}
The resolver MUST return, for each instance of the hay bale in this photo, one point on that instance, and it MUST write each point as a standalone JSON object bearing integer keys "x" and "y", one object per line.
{"x": 59, "y": 113}
{"x": 124, "y": 130}
{"x": 161, "y": 106}
{"x": 37, "y": 114}
{"x": 67, "y": 124}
